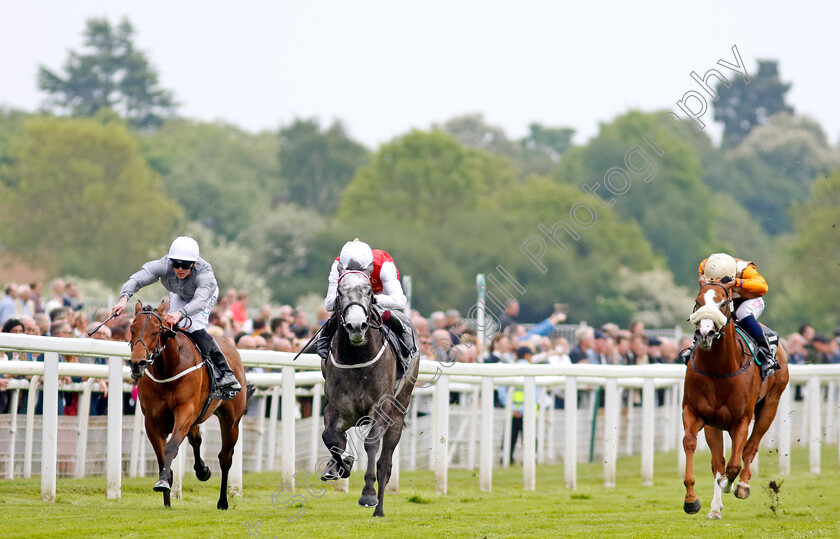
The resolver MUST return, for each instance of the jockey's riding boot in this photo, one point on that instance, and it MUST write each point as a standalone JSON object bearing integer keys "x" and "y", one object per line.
{"x": 325, "y": 338}
{"x": 764, "y": 355}
{"x": 404, "y": 331}
{"x": 685, "y": 354}
{"x": 227, "y": 386}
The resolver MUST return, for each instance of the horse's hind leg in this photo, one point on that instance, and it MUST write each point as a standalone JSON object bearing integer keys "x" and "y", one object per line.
{"x": 692, "y": 425}
{"x": 383, "y": 467}
{"x": 230, "y": 433}
{"x": 763, "y": 420}
{"x": 714, "y": 438}
{"x": 372, "y": 442}
{"x": 202, "y": 471}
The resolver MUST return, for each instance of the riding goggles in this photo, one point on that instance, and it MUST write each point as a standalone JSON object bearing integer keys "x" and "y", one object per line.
{"x": 182, "y": 264}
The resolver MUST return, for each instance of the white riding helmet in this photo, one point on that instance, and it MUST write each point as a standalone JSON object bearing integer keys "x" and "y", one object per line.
{"x": 719, "y": 265}
{"x": 184, "y": 248}
{"x": 356, "y": 255}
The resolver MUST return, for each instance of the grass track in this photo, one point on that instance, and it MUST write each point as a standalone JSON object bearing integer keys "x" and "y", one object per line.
{"x": 808, "y": 505}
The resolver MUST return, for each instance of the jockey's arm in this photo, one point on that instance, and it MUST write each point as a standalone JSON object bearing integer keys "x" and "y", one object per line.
{"x": 332, "y": 289}
{"x": 392, "y": 296}
{"x": 751, "y": 282}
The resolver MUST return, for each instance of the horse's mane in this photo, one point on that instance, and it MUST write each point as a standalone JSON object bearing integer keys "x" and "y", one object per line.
{"x": 147, "y": 308}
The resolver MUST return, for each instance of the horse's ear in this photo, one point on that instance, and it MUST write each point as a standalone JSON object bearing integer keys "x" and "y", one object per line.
{"x": 340, "y": 268}
{"x": 161, "y": 307}
{"x": 138, "y": 307}
{"x": 368, "y": 270}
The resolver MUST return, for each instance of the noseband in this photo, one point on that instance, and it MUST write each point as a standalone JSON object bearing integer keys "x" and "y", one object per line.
{"x": 365, "y": 308}
{"x": 718, "y": 330}
{"x": 152, "y": 355}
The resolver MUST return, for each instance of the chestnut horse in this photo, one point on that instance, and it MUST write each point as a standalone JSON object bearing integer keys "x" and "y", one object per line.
{"x": 360, "y": 388}
{"x": 173, "y": 387}
{"x": 723, "y": 392}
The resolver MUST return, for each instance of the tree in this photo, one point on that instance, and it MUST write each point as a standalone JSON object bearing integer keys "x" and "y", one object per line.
{"x": 808, "y": 283}
{"x": 425, "y": 176}
{"x": 473, "y": 132}
{"x": 79, "y": 199}
{"x": 543, "y": 148}
{"x": 225, "y": 178}
{"x": 113, "y": 74}
{"x": 773, "y": 167}
{"x": 672, "y": 206}
{"x": 317, "y": 166}
{"x": 742, "y": 107}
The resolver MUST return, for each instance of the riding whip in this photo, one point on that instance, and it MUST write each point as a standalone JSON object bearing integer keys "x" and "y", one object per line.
{"x": 94, "y": 330}
{"x": 305, "y": 346}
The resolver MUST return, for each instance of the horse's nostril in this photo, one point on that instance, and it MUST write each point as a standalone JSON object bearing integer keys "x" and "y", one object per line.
{"x": 364, "y": 326}
{"x": 348, "y": 327}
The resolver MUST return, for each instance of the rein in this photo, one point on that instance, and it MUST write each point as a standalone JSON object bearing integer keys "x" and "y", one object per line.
{"x": 152, "y": 356}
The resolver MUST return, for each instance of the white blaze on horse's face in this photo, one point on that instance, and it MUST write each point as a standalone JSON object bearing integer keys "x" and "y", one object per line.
{"x": 354, "y": 293}
{"x": 707, "y": 325}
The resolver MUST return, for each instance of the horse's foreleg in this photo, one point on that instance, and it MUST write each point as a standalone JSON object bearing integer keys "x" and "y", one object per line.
{"x": 692, "y": 425}
{"x": 158, "y": 441}
{"x": 183, "y": 419}
{"x": 714, "y": 437}
{"x": 383, "y": 468}
{"x": 336, "y": 441}
{"x": 202, "y": 471}
{"x": 230, "y": 433}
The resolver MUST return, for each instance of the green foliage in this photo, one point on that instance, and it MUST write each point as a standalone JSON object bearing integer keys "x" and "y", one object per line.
{"x": 80, "y": 199}
{"x": 472, "y": 131}
{"x": 672, "y": 209}
{"x": 318, "y": 165}
{"x": 814, "y": 257}
{"x": 543, "y": 148}
{"x": 657, "y": 300}
{"x": 773, "y": 167}
{"x": 113, "y": 74}
{"x": 11, "y": 128}
{"x": 224, "y": 177}
{"x": 743, "y": 107}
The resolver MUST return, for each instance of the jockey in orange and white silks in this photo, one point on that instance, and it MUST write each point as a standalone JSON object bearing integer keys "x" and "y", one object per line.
{"x": 385, "y": 282}
{"x": 748, "y": 295}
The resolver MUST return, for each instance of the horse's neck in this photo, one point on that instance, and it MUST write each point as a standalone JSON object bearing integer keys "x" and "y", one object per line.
{"x": 170, "y": 361}
{"x": 357, "y": 354}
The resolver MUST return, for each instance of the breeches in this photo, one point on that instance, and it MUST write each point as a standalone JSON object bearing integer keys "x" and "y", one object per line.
{"x": 749, "y": 307}
{"x": 200, "y": 319}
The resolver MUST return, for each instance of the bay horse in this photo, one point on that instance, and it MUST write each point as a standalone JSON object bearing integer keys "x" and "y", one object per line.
{"x": 361, "y": 389}
{"x": 724, "y": 392}
{"x": 173, "y": 387}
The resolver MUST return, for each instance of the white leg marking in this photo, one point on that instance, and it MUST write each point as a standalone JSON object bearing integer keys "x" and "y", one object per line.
{"x": 717, "y": 499}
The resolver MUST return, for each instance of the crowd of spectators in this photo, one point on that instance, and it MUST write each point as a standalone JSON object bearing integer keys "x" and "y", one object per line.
{"x": 442, "y": 336}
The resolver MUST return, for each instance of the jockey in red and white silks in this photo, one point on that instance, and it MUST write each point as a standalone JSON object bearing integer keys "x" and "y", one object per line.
{"x": 384, "y": 279}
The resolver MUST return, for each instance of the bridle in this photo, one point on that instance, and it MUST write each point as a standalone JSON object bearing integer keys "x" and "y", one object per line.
{"x": 728, "y": 314}
{"x": 369, "y": 313}
{"x": 151, "y": 355}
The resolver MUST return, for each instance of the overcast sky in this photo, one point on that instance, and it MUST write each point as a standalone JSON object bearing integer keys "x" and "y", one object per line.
{"x": 385, "y": 67}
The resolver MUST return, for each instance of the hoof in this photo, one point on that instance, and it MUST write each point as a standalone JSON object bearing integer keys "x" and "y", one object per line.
{"x": 161, "y": 486}
{"x": 714, "y": 515}
{"x": 742, "y": 491}
{"x": 368, "y": 501}
{"x": 724, "y": 484}
{"x": 692, "y": 507}
{"x": 222, "y": 505}
{"x": 203, "y": 474}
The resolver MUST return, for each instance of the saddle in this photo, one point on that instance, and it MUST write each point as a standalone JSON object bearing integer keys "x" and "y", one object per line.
{"x": 771, "y": 336}
{"x": 401, "y": 350}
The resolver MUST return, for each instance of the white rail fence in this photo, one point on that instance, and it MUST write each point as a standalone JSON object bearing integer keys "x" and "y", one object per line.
{"x": 640, "y": 413}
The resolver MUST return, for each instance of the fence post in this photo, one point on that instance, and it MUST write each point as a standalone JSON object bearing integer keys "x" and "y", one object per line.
{"x": 82, "y": 429}
{"x": 783, "y": 442}
{"x": 570, "y": 402}
{"x": 114, "y": 459}
{"x": 648, "y": 416}
{"x": 136, "y": 440}
{"x": 287, "y": 422}
{"x": 272, "y": 428}
{"x": 441, "y": 441}
{"x": 49, "y": 427}
{"x": 31, "y": 402}
{"x": 813, "y": 402}
{"x": 612, "y": 404}
{"x": 13, "y": 410}
{"x": 485, "y": 471}
{"x": 529, "y": 435}
{"x": 235, "y": 474}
